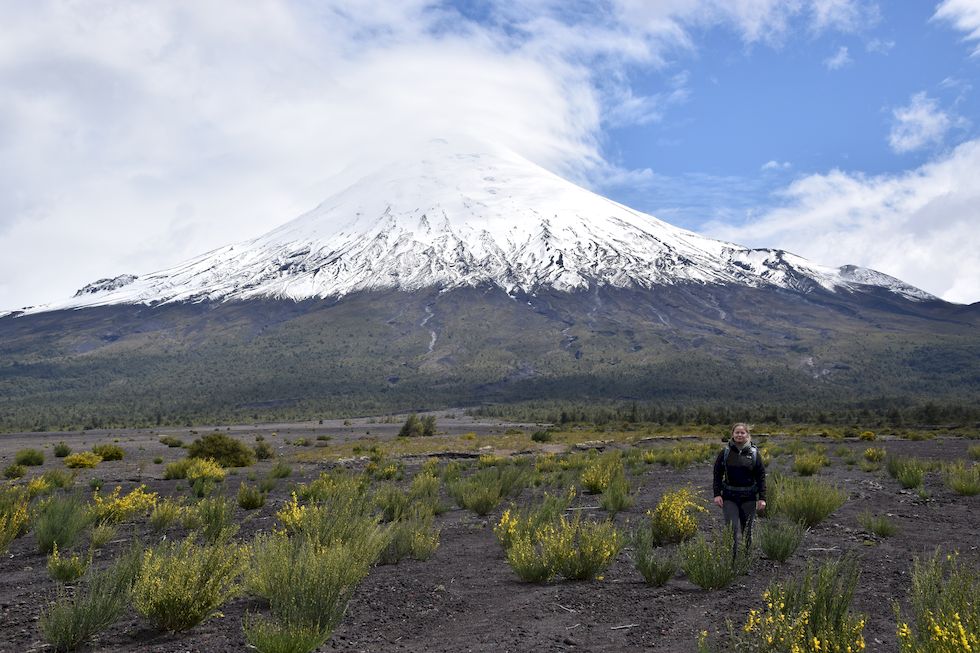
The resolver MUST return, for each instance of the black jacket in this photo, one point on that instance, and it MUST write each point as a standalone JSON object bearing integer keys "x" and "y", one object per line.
{"x": 740, "y": 472}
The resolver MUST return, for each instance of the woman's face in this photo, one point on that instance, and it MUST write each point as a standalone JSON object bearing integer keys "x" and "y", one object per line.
{"x": 740, "y": 435}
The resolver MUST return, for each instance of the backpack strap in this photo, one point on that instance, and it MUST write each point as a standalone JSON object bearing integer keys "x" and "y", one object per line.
{"x": 724, "y": 456}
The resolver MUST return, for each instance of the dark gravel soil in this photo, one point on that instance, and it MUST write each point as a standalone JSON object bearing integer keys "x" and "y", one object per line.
{"x": 466, "y": 598}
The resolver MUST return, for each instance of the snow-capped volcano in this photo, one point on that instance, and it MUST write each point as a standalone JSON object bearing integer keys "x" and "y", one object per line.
{"x": 487, "y": 217}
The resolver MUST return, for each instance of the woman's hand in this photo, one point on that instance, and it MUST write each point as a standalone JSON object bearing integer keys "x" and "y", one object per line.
{"x": 760, "y": 505}
{"x": 721, "y": 502}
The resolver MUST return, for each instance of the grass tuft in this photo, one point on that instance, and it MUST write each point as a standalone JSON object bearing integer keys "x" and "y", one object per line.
{"x": 779, "y": 538}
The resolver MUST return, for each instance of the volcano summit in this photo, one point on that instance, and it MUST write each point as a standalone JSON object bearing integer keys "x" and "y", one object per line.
{"x": 450, "y": 220}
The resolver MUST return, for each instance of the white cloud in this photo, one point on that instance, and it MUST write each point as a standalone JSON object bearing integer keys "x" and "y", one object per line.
{"x": 880, "y": 46}
{"x": 918, "y": 124}
{"x": 919, "y": 226}
{"x": 838, "y": 60}
{"x": 135, "y": 135}
{"x": 964, "y": 15}
{"x": 775, "y": 165}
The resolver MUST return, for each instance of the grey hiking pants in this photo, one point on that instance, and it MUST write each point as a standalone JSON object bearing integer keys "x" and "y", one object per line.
{"x": 739, "y": 515}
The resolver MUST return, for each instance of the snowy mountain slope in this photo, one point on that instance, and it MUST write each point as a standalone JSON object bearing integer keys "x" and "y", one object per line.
{"x": 449, "y": 220}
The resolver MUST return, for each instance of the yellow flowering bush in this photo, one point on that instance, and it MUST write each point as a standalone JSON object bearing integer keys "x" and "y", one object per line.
{"x": 809, "y": 615}
{"x": 597, "y": 476}
{"x": 13, "y": 516}
{"x": 874, "y": 454}
{"x": 204, "y": 469}
{"x": 945, "y": 613}
{"x": 181, "y": 585}
{"x": 291, "y": 514}
{"x": 66, "y": 570}
{"x": 574, "y": 549}
{"x": 868, "y": 435}
{"x": 37, "y": 486}
{"x": 116, "y": 508}
{"x": 85, "y": 459}
{"x": 673, "y": 519}
{"x": 514, "y": 523}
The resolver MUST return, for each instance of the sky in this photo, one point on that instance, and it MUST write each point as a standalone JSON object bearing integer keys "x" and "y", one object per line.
{"x": 136, "y": 135}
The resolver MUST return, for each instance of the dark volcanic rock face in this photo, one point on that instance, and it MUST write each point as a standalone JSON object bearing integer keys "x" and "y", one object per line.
{"x": 676, "y": 343}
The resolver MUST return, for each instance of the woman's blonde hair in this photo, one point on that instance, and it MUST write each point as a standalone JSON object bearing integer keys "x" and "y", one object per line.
{"x": 745, "y": 426}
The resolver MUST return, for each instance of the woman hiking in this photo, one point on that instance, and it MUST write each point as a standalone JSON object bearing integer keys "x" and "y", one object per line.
{"x": 740, "y": 484}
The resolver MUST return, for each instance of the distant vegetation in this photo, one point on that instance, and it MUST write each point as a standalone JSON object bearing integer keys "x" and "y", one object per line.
{"x": 767, "y": 361}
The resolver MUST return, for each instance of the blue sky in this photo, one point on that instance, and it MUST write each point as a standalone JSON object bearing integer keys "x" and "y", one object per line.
{"x": 807, "y": 103}
{"x": 136, "y": 135}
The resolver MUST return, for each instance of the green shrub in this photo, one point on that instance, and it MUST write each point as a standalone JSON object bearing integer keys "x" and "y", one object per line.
{"x": 61, "y": 450}
{"x": 415, "y": 427}
{"x": 59, "y": 522}
{"x": 267, "y": 485}
{"x": 280, "y": 470}
{"x": 962, "y": 479}
{"x": 171, "y": 441}
{"x": 809, "y": 463}
{"x": 656, "y": 565}
{"x": 101, "y": 535}
{"x": 59, "y": 478}
{"x": 66, "y": 570}
{"x": 945, "y": 613}
{"x": 482, "y": 491}
{"x": 879, "y": 525}
{"x": 342, "y": 514}
{"x": 909, "y": 472}
{"x": 272, "y": 636}
{"x": 974, "y": 451}
{"x": 424, "y": 491}
{"x": 393, "y": 502}
{"x": 541, "y": 436}
{"x": 263, "y": 451}
{"x": 84, "y": 459}
{"x": 181, "y": 584}
{"x": 109, "y": 451}
{"x": 95, "y": 483}
{"x": 97, "y": 603}
{"x": 250, "y": 497}
{"x": 222, "y": 449}
{"x": 779, "y": 538}
{"x": 165, "y": 513}
{"x": 308, "y": 583}
{"x": 217, "y": 519}
{"x": 616, "y": 496}
{"x": 803, "y": 500}
{"x": 29, "y": 457}
{"x": 811, "y": 613}
{"x": 177, "y": 469}
{"x": 708, "y": 562}
{"x": 14, "y": 471}
{"x": 415, "y": 537}
{"x": 475, "y": 495}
